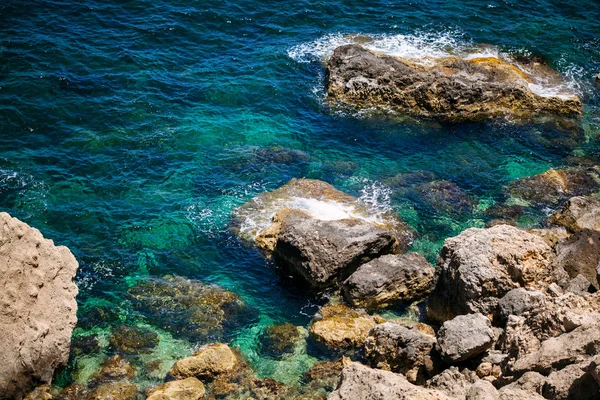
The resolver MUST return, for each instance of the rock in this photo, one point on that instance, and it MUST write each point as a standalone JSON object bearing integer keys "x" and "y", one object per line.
{"x": 186, "y": 389}
{"x": 571, "y": 382}
{"x": 482, "y": 390}
{"x": 73, "y": 392}
{"x": 551, "y": 236}
{"x": 259, "y": 220}
{"x": 553, "y": 187}
{"x": 389, "y": 279}
{"x": 518, "y": 338}
{"x": 445, "y": 197}
{"x": 578, "y": 213}
{"x": 323, "y": 253}
{"x": 189, "y": 308}
{"x": 453, "y": 382}
{"x": 121, "y": 390}
{"x": 133, "y": 339}
{"x": 40, "y": 393}
{"x": 478, "y": 267}
{"x": 85, "y": 345}
{"x": 598, "y": 79}
{"x": 580, "y": 254}
{"x": 280, "y": 339}
{"x": 38, "y": 307}
{"x": 402, "y": 349}
{"x": 96, "y": 316}
{"x": 517, "y": 394}
{"x": 324, "y": 376}
{"x": 209, "y": 362}
{"x": 358, "y": 382}
{"x": 518, "y": 301}
{"x": 465, "y": 336}
{"x": 341, "y": 328}
{"x": 445, "y": 88}
{"x": 113, "y": 369}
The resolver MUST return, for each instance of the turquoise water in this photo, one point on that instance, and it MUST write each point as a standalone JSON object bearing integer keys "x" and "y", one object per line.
{"x": 130, "y": 130}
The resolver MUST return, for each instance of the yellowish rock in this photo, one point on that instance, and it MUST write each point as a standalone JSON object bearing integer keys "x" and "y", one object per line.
{"x": 341, "y": 327}
{"x": 187, "y": 389}
{"x": 209, "y": 362}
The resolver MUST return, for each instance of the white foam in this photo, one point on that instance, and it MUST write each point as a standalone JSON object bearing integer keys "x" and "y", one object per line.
{"x": 322, "y": 210}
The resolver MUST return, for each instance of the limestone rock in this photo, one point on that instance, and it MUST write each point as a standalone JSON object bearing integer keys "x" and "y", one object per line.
{"x": 38, "y": 307}
{"x": 209, "y": 362}
{"x": 579, "y": 213}
{"x": 478, "y": 267}
{"x": 518, "y": 301}
{"x": 358, "y": 382}
{"x": 453, "y": 382}
{"x": 447, "y": 88}
{"x": 571, "y": 382}
{"x": 403, "y": 349}
{"x": 465, "y": 336}
{"x": 580, "y": 254}
{"x": 342, "y": 328}
{"x": 482, "y": 390}
{"x": 389, "y": 279}
{"x": 187, "y": 389}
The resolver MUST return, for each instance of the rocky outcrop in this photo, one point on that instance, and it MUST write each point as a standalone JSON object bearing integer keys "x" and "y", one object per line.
{"x": 479, "y": 266}
{"x": 389, "y": 279}
{"x": 38, "y": 307}
{"x": 446, "y": 88}
{"x": 210, "y": 361}
{"x": 186, "y": 389}
{"x": 579, "y": 255}
{"x": 579, "y": 213}
{"x": 465, "y": 336}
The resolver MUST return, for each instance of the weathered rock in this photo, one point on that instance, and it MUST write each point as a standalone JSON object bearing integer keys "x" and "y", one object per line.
{"x": 482, "y": 390}
{"x": 571, "y": 383}
{"x": 73, "y": 392}
{"x": 279, "y": 339}
{"x": 40, "y": 393}
{"x": 551, "y": 235}
{"x": 260, "y": 220}
{"x": 579, "y": 213}
{"x": 341, "y": 328}
{"x": 518, "y": 301}
{"x": 324, "y": 253}
{"x": 402, "y": 349}
{"x": 479, "y": 266}
{"x": 209, "y": 362}
{"x": 189, "y": 308}
{"x": 85, "y": 344}
{"x": 133, "y": 339}
{"x": 465, "y": 336}
{"x": 324, "y": 376}
{"x": 453, "y": 382}
{"x": 580, "y": 254}
{"x": 389, "y": 279}
{"x": 113, "y": 369}
{"x": 447, "y": 88}
{"x": 553, "y": 187}
{"x": 38, "y": 307}
{"x": 187, "y": 389}
{"x": 358, "y": 382}
{"x": 121, "y": 390}
{"x": 518, "y": 338}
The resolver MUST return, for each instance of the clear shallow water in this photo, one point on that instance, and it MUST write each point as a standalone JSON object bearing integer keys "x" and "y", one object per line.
{"x": 130, "y": 130}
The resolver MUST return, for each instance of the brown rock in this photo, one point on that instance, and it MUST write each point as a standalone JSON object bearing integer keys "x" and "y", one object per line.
{"x": 121, "y": 390}
{"x": 209, "y": 362}
{"x": 579, "y": 213}
{"x": 114, "y": 368}
{"x": 342, "y": 328}
{"x": 187, "y": 389}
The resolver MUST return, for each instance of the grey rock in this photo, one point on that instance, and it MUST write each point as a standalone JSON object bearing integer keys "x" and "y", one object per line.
{"x": 465, "y": 336}
{"x": 580, "y": 254}
{"x": 518, "y": 301}
{"x": 478, "y": 267}
{"x": 578, "y": 213}
{"x": 579, "y": 285}
{"x": 38, "y": 307}
{"x": 482, "y": 390}
{"x": 572, "y": 382}
{"x": 389, "y": 279}
{"x": 453, "y": 382}
{"x": 323, "y": 253}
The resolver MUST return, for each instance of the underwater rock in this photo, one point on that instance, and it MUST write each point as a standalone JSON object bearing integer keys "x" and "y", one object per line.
{"x": 96, "y": 316}
{"x": 465, "y": 336}
{"x": 133, "y": 339}
{"x": 40, "y": 393}
{"x": 403, "y": 349}
{"x": 258, "y": 223}
{"x": 279, "y": 339}
{"x": 121, "y": 390}
{"x": 74, "y": 391}
{"x": 38, "y": 307}
{"x": 342, "y": 328}
{"x": 505, "y": 212}
{"x": 208, "y": 362}
{"x": 280, "y": 155}
{"x": 85, "y": 345}
{"x": 187, "y": 389}
{"x": 446, "y": 88}
{"x": 553, "y": 187}
{"x": 323, "y": 253}
{"x": 445, "y": 197}
{"x": 479, "y": 266}
{"x": 389, "y": 279}
{"x": 578, "y": 213}
{"x": 189, "y": 308}
{"x": 325, "y": 375}
{"x": 113, "y": 369}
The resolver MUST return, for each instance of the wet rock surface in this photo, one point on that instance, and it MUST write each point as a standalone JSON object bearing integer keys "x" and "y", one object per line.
{"x": 186, "y": 389}
{"x": 210, "y": 361}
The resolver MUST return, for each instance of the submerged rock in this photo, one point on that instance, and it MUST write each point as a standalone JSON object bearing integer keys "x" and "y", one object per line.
{"x": 133, "y": 339}
{"x": 324, "y": 376}
{"x": 121, "y": 390}
{"x": 210, "y": 361}
{"x": 446, "y": 88}
{"x": 113, "y": 369}
{"x": 445, "y": 197}
{"x": 190, "y": 308}
{"x": 187, "y": 389}
{"x": 279, "y": 339}
{"x": 465, "y": 336}
{"x": 38, "y": 307}
{"x": 389, "y": 279}
{"x": 479, "y": 266}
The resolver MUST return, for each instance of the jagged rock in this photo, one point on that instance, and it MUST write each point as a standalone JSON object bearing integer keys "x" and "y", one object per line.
{"x": 38, "y": 307}
{"x": 260, "y": 220}
{"x": 187, "y": 389}
{"x": 551, "y": 235}
{"x": 580, "y": 254}
{"x": 479, "y": 266}
{"x": 209, "y": 362}
{"x": 579, "y": 213}
{"x": 189, "y": 308}
{"x": 389, "y": 279}
{"x": 133, "y": 339}
{"x": 323, "y": 253}
{"x": 465, "y": 336}
{"x": 507, "y": 393}
{"x": 518, "y": 301}
{"x": 447, "y": 88}
{"x": 358, "y": 382}
{"x": 402, "y": 349}
{"x": 518, "y": 338}
{"x": 121, "y": 390}
{"x": 571, "y": 383}
{"x": 279, "y": 339}
{"x": 341, "y": 328}
{"x": 113, "y": 369}
{"x": 553, "y": 187}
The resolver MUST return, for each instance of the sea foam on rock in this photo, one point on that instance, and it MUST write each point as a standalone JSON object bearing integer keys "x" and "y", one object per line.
{"x": 38, "y": 307}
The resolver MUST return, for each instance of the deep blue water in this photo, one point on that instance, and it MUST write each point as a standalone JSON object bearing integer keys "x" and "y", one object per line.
{"x": 130, "y": 130}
